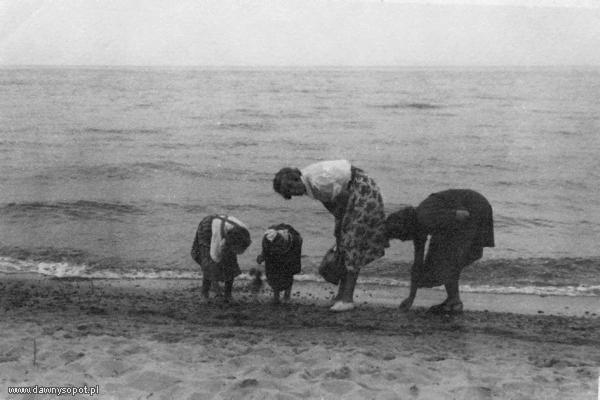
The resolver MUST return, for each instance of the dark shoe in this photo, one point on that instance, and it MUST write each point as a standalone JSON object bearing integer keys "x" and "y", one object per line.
{"x": 445, "y": 308}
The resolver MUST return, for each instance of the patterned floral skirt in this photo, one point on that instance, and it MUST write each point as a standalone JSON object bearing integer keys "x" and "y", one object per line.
{"x": 362, "y": 235}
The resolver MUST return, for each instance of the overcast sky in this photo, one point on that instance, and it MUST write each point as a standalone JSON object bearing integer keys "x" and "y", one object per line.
{"x": 300, "y": 33}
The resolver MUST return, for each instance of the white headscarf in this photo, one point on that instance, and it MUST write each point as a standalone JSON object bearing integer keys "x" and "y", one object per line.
{"x": 271, "y": 234}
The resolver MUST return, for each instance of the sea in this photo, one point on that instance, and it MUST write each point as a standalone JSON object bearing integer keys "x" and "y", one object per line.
{"x": 106, "y": 172}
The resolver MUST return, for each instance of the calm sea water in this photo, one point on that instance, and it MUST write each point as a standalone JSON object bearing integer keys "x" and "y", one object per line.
{"x": 107, "y": 172}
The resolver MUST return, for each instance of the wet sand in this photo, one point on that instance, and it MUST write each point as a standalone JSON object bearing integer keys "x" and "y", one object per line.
{"x": 157, "y": 339}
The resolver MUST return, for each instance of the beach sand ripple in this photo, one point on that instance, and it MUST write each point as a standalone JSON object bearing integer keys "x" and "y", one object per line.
{"x": 156, "y": 340}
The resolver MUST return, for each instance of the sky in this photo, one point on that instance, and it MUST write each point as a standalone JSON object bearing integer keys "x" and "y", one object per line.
{"x": 300, "y": 33}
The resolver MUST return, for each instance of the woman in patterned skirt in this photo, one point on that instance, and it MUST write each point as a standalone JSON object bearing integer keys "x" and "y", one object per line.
{"x": 461, "y": 224}
{"x": 355, "y": 201}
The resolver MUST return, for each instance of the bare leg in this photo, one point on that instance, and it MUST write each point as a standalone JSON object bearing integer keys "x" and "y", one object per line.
{"x": 407, "y": 303}
{"x": 205, "y": 287}
{"x": 345, "y": 301}
{"x": 228, "y": 290}
{"x": 452, "y": 304}
{"x": 452, "y": 292}
{"x": 349, "y": 285}
{"x": 341, "y": 288}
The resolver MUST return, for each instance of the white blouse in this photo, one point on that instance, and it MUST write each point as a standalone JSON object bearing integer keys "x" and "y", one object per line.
{"x": 217, "y": 241}
{"x": 326, "y": 179}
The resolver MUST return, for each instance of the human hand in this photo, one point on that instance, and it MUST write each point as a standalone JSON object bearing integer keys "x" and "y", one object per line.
{"x": 406, "y": 304}
{"x": 462, "y": 215}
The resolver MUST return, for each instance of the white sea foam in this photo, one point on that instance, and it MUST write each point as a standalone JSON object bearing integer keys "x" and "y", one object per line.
{"x": 64, "y": 270}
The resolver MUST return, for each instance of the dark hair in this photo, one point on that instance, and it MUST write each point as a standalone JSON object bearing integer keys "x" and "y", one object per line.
{"x": 239, "y": 237}
{"x": 280, "y": 181}
{"x": 402, "y": 224}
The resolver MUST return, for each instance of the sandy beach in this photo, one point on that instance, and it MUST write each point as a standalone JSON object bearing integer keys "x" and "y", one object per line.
{"x": 155, "y": 339}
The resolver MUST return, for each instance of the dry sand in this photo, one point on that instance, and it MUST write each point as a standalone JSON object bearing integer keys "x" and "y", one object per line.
{"x": 156, "y": 339}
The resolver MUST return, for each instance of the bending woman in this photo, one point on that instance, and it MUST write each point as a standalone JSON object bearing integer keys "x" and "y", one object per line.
{"x": 356, "y": 203}
{"x": 460, "y": 224}
{"x": 217, "y": 243}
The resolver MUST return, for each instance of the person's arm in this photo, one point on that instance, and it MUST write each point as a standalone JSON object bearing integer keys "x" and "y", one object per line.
{"x": 330, "y": 206}
{"x": 297, "y": 254}
{"x": 415, "y": 272}
{"x": 261, "y": 257}
{"x": 337, "y": 208}
{"x": 216, "y": 241}
{"x": 419, "y": 256}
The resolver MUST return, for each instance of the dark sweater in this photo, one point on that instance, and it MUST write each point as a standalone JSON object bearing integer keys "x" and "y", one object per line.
{"x": 280, "y": 266}
{"x": 453, "y": 244}
{"x": 437, "y": 214}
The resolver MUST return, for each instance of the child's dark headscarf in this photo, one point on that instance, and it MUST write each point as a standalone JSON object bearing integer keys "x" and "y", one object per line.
{"x": 238, "y": 236}
{"x": 277, "y": 241}
{"x": 401, "y": 224}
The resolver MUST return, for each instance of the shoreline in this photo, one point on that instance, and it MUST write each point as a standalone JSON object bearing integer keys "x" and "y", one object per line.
{"x": 372, "y": 294}
{"x": 158, "y": 339}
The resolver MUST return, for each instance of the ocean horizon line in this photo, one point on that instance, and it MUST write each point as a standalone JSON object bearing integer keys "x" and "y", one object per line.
{"x": 255, "y": 67}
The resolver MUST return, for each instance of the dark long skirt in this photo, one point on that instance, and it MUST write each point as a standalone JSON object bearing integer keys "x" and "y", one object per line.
{"x": 454, "y": 245}
{"x": 226, "y": 269}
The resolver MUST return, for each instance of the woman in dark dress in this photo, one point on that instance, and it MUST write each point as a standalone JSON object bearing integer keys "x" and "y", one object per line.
{"x": 218, "y": 241}
{"x": 355, "y": 201}
{"x": 460, "y": 224}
